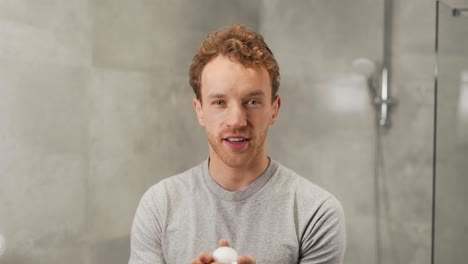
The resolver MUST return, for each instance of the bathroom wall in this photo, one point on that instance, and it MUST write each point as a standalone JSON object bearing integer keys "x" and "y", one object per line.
{"x": 329, "y": 135}
{"x": 45, "y": 62}
{"x": 142, "y": 127}
{"x": 406, "y": 172}
{"x": 95, "y": 107}
{"x": 325, "y": 131}
{"x": 451, "y": 219}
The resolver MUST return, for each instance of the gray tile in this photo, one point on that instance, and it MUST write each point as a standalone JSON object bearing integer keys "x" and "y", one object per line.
{"x": 312, "y": 39}
{"x": 57, "y": 32}
{"x": 44, "y": 105}
{"x": 119, "y": 112}
{"x": 413, "y": 27}
{"x": 407, "y": 176}
{"x": 122, "y": 34}
{"x": 43, "y": 168}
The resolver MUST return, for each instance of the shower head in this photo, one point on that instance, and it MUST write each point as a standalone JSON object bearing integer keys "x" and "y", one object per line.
{"x": 367, "y": 68}
{"x": 364, "y": 66}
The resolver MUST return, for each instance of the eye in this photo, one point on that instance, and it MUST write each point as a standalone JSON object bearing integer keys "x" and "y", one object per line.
{"x": 218, "y": 102}
{"x": 253, "y": 102}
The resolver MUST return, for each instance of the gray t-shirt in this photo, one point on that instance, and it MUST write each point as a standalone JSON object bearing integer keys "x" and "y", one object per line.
{"x": 280, "y": 218}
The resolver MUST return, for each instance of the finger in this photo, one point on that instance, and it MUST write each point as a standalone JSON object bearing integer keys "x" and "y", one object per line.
{"x": 245, "y": 260}
{"x": 223, "y": 243}
{"x": 204, "y": 258}
{"x": 196, "y": 261}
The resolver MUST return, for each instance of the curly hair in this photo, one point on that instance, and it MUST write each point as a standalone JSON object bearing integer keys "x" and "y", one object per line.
{"x": 239, "y": 44}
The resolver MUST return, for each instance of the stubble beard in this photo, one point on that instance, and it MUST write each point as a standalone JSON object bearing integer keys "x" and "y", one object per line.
{"x": 234, "y": 159}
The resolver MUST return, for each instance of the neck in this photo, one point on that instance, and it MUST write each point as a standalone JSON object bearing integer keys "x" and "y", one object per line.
{"x": 236, "y": 178}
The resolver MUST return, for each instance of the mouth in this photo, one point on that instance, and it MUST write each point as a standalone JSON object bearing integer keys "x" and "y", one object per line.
{"x": 236, "y": 143}
{"x": 237, "y": 139}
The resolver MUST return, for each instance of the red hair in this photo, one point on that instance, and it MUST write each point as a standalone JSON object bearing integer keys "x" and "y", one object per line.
{"x": 239, "y": 44}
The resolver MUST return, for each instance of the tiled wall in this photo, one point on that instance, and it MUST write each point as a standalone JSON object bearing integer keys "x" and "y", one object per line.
{"x": 451, "y": 221}
{"x": 408, "y": 146}
{"x": 45, "y": 56}
{"x": 95, "y": 107}
{"x": 325, "y": 131}
{"x": 330, "y": 134}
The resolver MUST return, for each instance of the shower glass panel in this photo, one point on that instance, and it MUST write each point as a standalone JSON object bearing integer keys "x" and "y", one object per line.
{"x": 451, "y": 156}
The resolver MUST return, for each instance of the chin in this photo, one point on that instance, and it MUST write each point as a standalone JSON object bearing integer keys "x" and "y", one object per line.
{"x": 234, "y": 159}
{"x": 236, "y": 162}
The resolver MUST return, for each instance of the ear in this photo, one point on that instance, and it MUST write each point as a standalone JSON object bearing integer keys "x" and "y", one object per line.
{"x": 276, "y": 108}
{"x": 197, "y": 106}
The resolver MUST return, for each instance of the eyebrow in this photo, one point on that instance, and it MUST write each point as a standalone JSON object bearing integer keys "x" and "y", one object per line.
{"x": 215, "y": 96}
{"x": 253, "y": 93}
{"x": 256, "y": 93}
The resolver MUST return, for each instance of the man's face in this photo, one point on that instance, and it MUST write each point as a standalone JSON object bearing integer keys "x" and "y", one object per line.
{"x": 236, "y": 111}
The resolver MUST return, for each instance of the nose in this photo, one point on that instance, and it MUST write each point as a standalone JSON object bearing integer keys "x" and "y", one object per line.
{"x": 237, "y": 117}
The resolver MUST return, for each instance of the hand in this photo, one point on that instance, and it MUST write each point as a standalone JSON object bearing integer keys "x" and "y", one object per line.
{"x": 207, "y": 258}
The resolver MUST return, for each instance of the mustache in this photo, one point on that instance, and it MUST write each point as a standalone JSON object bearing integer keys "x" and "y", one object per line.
{"x": 235, "y": 133}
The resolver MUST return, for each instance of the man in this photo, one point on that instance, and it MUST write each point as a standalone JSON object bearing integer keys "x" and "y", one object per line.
{"x": 238, "y": 197}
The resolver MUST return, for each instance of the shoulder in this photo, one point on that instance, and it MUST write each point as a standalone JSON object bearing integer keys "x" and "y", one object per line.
{"x": 173, "y": 186}
{"x": 302, "y": 187}
{"x": 183, "y": 181}
{"x": 320, "y": 216}
{"x": 310, "y": 199}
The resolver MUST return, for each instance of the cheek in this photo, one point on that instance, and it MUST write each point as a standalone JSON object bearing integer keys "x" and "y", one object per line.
{"x": 213, "y": 118}
{"x": 212, "y": 124}
{"x": 261, "y": 120}
{"x": 260, "y": 128}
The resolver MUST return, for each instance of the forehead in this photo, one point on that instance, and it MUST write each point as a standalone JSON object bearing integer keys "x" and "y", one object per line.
{"x": 222, "y": 75}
